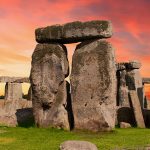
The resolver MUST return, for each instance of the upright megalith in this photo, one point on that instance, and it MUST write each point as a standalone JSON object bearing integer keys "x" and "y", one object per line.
{"x": 49, "y": 95}
{"x": 130, "y": 93}
{"x": 93, "y": 86}
{"x": 93, "y": 77}
{"x": 13, "y": 91}
{"x": 122, "y": 88}
{"x": 134, "y": 79}
{"x": 129, "y": 78}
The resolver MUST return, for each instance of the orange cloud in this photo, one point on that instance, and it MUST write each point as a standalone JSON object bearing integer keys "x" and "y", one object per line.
{"x": 19, "y": 18}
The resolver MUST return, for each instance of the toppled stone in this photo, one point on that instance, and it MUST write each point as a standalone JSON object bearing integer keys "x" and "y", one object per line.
{"x": 74, "y": 32}
{"x": 13, "y": 91}
{"x": 124, "y": 125}
{"x": 49, "y": 95}
{"x": 14, "y": 79}
{"x": 77, "y": 145}
{"x": 93, "y": 86}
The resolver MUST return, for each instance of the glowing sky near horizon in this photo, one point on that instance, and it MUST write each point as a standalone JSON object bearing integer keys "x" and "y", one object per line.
{"x": 19, "y": 18}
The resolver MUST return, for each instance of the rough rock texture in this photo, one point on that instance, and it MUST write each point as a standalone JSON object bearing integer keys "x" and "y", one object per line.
{"x": 120, "y": 66}
{"x": 14, "y": 79}
{"x": 74, "y": 32}
{"x": 49, "y": 95}
{"x": 93, "y": 86}
{"x": 146, "y": 80}
{"x": 77, "y": 145}
{"x": 134, "y": 82}
{"x": 137, "y": 109}
{"x": 134, "y": 64}
{"x": 122, "y": 89}
{"x": 124, "y": 125}
{"x": 148, "y": 104}
{"x": 13, "y": 91}
{"x": 10, "y": 112}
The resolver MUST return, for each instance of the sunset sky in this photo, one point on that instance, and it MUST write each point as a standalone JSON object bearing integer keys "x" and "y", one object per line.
{"x": 19, "y": 19}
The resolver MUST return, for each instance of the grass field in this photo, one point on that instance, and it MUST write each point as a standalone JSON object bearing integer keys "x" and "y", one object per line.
{"x": 49, "y": 139}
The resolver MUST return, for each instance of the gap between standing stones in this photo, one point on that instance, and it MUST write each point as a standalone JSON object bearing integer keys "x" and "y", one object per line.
{"x": 70, "y": 49}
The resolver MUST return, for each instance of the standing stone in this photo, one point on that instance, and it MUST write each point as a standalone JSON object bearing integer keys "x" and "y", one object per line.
{"x": 93, "y": 86}
{"x": 49, "y": 95}
{"x": 13, "y": 91}
{"x": 122, "y": 89}
{"x": 134, "y": 80}
{"x": 148, "y": 104}
{"x": 137, "y": 109}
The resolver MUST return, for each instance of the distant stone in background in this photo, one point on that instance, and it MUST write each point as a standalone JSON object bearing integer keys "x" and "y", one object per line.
{"x": 134, "y": 80}
{"x": 137, "y": 109}
{"x": 128, "y": 80}
{"x": 122, "y": 88}
{"x": 148, "y": 104}
{"x": 93, "y": 86}
{"x": 146, "y": 80}
{"x": 124, "y": 125}
{"x": 13, "y": 91}
{"x": 11, "y": 112}
{"x": 134, "y": 64}
{"x": 49, "y": 95}
{"x": 77, "y": 145}
{"x": 14, "y": 79}
{"x": 146, "y": 99}
{"x": 74, "y": 32}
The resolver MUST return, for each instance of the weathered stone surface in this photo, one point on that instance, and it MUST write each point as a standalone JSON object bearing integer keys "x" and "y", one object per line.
{"x": 134, "y": 64}
{"x": 9, "y": 114}
{"x": 122, "y": 89}
{"x": 137, "y": 109}
{"x": 134, "y": 82}
{"x": 49, "y": 95}
{"x": 14, "y": 79}
{"x": 120, "y": 66}
{"x": 93, "y": 86}
{"x": 77, "y": 145}
{"x": 74, "y": 32}
{"x": 124, "y": 125}
{"x": 148, "y": 104}
{"x": 13, "y": 91}
{"x": 146, "y": 80}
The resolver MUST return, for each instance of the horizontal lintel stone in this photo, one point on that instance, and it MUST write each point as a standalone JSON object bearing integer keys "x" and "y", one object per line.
{"x": 74, "y": 32}
{"x": 14, "y": 79}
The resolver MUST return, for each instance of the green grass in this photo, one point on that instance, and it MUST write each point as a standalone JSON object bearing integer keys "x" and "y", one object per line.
{"x": 49, "y": 139}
